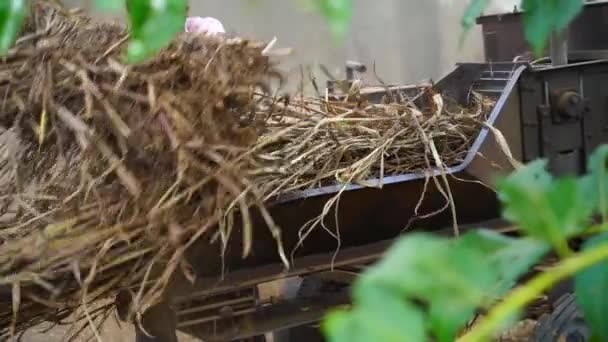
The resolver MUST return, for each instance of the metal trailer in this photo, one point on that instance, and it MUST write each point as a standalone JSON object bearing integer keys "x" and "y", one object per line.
{"x": 556, "y": 111}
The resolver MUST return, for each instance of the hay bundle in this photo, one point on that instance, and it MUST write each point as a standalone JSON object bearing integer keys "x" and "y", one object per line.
{"x": 314, "y": 142}
{"x": 109, "y": 170}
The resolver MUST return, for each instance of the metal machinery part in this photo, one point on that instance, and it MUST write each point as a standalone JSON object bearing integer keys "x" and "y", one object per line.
{"x": 353, "y": 69}
{"x": 543, "y": 111}
{"x": 586, "y": 38}
{"x": 559, "y": 48}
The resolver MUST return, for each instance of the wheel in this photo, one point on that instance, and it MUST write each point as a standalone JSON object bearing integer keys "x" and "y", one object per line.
{"x": 565, "y": 323}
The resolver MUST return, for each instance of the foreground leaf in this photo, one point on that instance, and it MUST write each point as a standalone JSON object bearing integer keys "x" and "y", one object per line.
{"x": 523, "y": 195}
{"x": 109, "y": 5}
{"x": 338, "y": 13}
{"x": 595, "y": 184}
{"x": 451, "y": 278}
{"x": 570, "y": 205}
{"x": 340, "y": 325}
{"x": 436, "y": 266}
{"x": 591, "y": 291}
{"x": 547, "y": 209}
{"x": 154, "y": 23}
{"x": 542, "y": 17}
{"x": 471, "y": 13}
{"x": 510, "y": 257}
{"x": 12, "y": 13}
{"x": 439, "y": 272}
{"x": 380, "y": 314}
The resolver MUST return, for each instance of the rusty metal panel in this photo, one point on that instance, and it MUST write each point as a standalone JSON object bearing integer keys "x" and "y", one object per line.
{"x": 566, "y": 136}
{"x": 587, "y": 36}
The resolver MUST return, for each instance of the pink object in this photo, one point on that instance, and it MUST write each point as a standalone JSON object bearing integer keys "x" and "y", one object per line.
{"x": 206, "y": 25}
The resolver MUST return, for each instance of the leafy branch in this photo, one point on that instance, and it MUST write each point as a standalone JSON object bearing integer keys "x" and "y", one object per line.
{"x": 437, "y": 285}
{"x": 538, "y": 285}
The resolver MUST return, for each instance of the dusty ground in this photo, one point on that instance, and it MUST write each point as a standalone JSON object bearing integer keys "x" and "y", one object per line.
{"x": 521, "y": 332}
{"x": 111, "y": 333}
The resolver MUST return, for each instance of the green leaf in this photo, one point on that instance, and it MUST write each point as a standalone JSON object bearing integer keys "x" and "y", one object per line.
{"x": 452, "y": 277}
{"x": 595, "y": 184}
{"x": 547, "y": 209}
{"x": 571, "y": 208}
{"x": 154, "y": 23}
{"x": 472, "y": 12}
{"x": 338, "y": 14}
{"x": 383, "y": 314}
{"x": 506, "y": 257}
{"x": 510, "y": 257}
{"x": 379, "y": 315}
{"x": 486, "y": 241}
{"x": 438, "y": 272}
{"x": 542, "y": 17}
{"x": 12, "y": 13}
{"x": 515, "y": 260}
{"x": 109, "y": 5}
{"x": 591, "y": 287}
{"x": 524, "y": 198}
{"x": 340, "y": 325}
{"x": 435, "y": 266}
{"x": 446, "y": 319}
{"x": 469, "y": 18}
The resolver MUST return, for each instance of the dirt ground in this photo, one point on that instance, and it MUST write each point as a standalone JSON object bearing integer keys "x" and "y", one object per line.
{"x": 111, "y": 332}
{"x": 521, "y": 332}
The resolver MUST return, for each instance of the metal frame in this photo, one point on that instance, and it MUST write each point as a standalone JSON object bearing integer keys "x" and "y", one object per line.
{"x": 563, "y": 114}
{"x": 456, "y": 82}
{"x": 180, "y": 289}
{"x": 233, "y": 312}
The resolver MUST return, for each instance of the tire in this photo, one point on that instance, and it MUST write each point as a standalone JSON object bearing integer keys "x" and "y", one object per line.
{"x": 565, "y": 323}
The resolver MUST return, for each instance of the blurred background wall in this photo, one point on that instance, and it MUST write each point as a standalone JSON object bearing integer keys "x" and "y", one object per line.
{"x": 408, "y": 40}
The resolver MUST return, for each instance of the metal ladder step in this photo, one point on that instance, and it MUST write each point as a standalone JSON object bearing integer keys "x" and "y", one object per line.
{"x": 485, "y": 82}
{"x": 494, "y": 79}
{"x": 489, "y": 91}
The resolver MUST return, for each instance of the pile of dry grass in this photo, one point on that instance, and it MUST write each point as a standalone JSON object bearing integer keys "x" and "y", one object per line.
{"x": 313, "y": 143}
{"x": 318, "y": 142}
{"x": 109, "y": 172}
